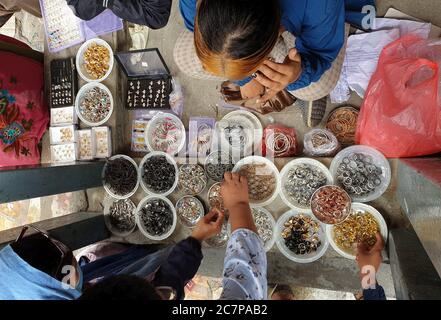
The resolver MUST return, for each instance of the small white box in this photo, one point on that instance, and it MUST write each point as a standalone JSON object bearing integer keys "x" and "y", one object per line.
{"x": 64, "y": 153}
{"x": 102, "y": 142}
{"x": 62, "y": 135}
{"x": 63, "y": 116}
{"x": 86, "y": 145}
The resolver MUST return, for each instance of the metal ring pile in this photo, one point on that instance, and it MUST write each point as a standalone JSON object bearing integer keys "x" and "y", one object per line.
{"x": 301, "y": 183}
{"x": 120, "y": 175}
{"x": 158, "y": 174}
{"x": 331, "y": 204}
{"x": 95, "y": 105}
{"x": 220, "y": 239}
{"x": 166, "y": 135}
{"x": 156, "y": 217}
{"x": 189, "y": 210}
{"x": 122, "y": 215}
{"x": 320, "y": 143}
{"x": 263, "y": 225}
{"x": 261, "y": 180}
{"x": 215, "y": 199}
{"x": 359, "y": 227}
{"x": 192, "y": 179}
{"x": 301, "y": 235}
{"x": 358, "y": 175}
{"x": 217, "y": 164}
{"x": 342, "y": 122}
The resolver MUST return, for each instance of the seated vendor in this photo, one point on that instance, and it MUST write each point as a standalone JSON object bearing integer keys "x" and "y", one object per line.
{"x": 268, "y": 46}
{"x": 151, "y": 13}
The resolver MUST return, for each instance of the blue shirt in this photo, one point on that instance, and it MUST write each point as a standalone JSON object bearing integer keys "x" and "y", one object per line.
{"x": 319, "y": 27}
{"x": 20, "y": 281}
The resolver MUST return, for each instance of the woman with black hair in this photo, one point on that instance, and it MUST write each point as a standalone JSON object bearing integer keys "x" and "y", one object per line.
{"x": 269, "y": 46}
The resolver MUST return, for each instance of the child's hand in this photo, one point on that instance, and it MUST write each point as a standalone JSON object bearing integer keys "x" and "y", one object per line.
{"x": 370, "y": 256}
{"x": 209, "y": 226}
{"x": 234, "y": 190}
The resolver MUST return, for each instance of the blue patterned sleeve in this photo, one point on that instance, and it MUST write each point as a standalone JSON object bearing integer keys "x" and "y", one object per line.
{"x": 245, "y": 267}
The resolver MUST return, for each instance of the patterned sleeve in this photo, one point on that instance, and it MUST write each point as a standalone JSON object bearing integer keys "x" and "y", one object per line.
{"x": 245, "y": 267}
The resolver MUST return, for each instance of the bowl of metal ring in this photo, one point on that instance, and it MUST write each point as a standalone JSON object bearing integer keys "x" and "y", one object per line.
{"x": 263, "y": 179}
{"x": 165, "y": 132}
{"x": 362, "y": 171}
{"x": 94, "y": 104}
{"x": 214, "y": 197}
{"x": 216, "y": 164}
{"x": 300, "y": 237}
{"x": 266, "y": 226}
{"x": 120, "y": 177}
{"x": 192, "y": 179}
{"x": 119, "y": 216}
{"x": 158, "y": 173}
{"x": 156, "y": 218}
{"x": 361, "y": 226}
{"x": 189, "y": 210}
{"x": 331, "y": 204}
{"x": 221, "y": 238}
{"x": 300, "y": 178}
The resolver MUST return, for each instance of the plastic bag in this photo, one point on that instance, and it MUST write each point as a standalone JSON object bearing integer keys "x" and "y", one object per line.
{"x": 400, "y": 115}
{"x": 320, "y": 143}
{"x": 279, "y": 141}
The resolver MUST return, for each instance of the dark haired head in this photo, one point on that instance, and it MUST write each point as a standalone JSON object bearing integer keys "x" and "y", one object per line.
{"x": 233, "y": 37}
{"x": 121, "y": 287}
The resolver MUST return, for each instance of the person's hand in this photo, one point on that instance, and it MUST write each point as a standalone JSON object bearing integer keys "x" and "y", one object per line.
{"x": 370, "y": 256}
{"x": 252, "y": 89}
{"x": 209, "y": 226}
{"x": 275, "y": 77}
{"x": 234, "y": 190}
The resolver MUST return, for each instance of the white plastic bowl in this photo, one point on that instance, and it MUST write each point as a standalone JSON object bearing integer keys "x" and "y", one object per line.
{"x": 106, "y": 187}
{"x": 358, "y": 206}
{"x": 141, "y": 225}
{"x": 378, "y": 159}
{"x": 108, "y": 201}
{"x": 171, "y": 160}
{"x": 252, "y": 122}
{"x": 84, "y": 89}
{"x": 285, "y": 171}
{"x": 80, "y": 60}
{"x": 152, "y": 123}
{"x": 271, "y": 242}
{"x": 201, "y": 211}
{"x": 261, "y": 160}
{"x": 307, "y": 258}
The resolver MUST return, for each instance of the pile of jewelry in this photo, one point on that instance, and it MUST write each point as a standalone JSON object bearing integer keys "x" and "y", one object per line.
{"x": 156, "y": 217}
{"x": 158, "y": 174}
{"x": 331, "y": 204}
{"x": 95, "y": 105}
{"x": 217, "y": 164}
{"x": 301, "y": 235}
{"x": 279, "y": 141}
{"x": 261, "y": 180}
{"x": 166, "y": 135}
{"x": 263, "y": 224}
{"x": 192, "y": 179}
{"x": 220, "y": 239}
{"x": 359, "y": 227}
{"x": 301, "y": 183}
{"x": 189, "y": 210}
{"x": 235, "y": 134}
{"x": 215, "y": 199}
{"x": 342, "y": 122}
{"x": 121, "y": 176}
{"x": 320, "y": 143}
{"x": 358, "y": 174}
{"x": 96, "y": 61}
{"x": 122, "y": 215}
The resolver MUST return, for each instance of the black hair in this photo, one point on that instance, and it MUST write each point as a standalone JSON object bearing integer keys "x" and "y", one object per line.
{"x": 239, "y": 28}
{"x": 121, "y": 287}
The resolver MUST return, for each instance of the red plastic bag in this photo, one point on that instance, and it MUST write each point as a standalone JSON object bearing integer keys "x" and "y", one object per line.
{"x": 401, "y": 114}
{"x": 279, "y": 141}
